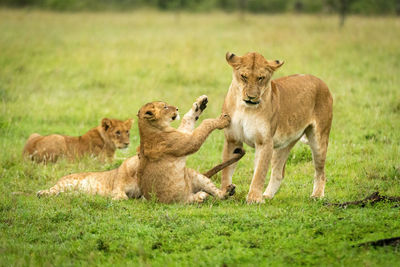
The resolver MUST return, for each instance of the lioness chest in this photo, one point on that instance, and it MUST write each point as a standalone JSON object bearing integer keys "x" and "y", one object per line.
{"x": 248, "y": 127}
{"x": 253, "y": 129}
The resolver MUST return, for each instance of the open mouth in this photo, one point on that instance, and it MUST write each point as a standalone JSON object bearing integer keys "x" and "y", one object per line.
{"x": 249, "y": 102}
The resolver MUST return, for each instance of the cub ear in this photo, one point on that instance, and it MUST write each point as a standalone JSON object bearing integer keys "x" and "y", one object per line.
{"x": 149, "y": 115}
{"x": 106, "y": 124}
{"x": 275, "y": 64}
{"x": 128, "y": 123}
{"x": 232, "y": 59}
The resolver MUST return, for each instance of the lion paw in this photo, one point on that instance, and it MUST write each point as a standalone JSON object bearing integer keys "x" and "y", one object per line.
{"x": 199, "y": 105}
{"x": 228, "y": 191}
{"x": 231, "y": 189}
{"x": 253, "y": 198}
{"x": 224, "y": 120}
{"x": 268, "y": 196}
{"x": 201, "y": 196}
{"x": 42, "y": 193}
{"x": 121, "y": 196}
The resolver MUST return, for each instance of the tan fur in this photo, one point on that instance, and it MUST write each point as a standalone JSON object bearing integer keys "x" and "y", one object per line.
{"x": 100, "y": 141}
{"x": 163, "y": 150}
{"x": 122, "y": 183}
{"x": 272, "y": 115}
{"x": 119, "y": 183}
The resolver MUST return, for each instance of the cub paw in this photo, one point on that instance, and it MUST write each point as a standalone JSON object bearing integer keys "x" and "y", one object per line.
{"x": 42, "y": 193}
{"x": 120, "y": 197}
{"x": 224, "y": 120}
{"x": 199, "y": 105}
{"x": 253, "y": 198}
{"x": 201, "y": 196}
{"x": 231, "y": 189}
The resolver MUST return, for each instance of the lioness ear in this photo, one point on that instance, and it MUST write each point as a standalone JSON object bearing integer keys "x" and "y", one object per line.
{"x": 275, "y": 64}
{"x": 106, "y": 124}
{"x": 128, "y": 123}
{"x": 232, "y": 59}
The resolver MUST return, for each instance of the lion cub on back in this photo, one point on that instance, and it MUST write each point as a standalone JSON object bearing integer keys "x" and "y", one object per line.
{"x": 163, "y": 149}
{"x": 101, "y": 141}
{"x": 122, "y": 183}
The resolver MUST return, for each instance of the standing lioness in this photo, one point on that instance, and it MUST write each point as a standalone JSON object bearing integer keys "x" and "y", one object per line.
{"x": 272, "y": 115}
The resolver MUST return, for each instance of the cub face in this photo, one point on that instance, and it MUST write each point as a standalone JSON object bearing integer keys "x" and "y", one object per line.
{"x": 158, "y": 113}
{"x": 117, "y": 131}
{"x": 252, "y": 74}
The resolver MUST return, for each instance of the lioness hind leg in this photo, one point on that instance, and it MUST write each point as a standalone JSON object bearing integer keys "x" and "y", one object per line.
{"x": 318, "y": 142}
{"x": 202, "y": 183}
{"x": 278, "y": 162}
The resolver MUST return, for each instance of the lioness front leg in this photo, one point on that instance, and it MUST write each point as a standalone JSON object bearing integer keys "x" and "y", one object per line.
{"x": 262, "y": 161}
{"x": 190, "y": 118}
{"x": 202, "y": 183}
{"x": 229, "y": 148}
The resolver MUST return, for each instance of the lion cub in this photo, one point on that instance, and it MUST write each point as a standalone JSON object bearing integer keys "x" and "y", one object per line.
{"x": 163, "y": 149}
{"x": 101, "y": 141}
{"x": 122, "y": 183}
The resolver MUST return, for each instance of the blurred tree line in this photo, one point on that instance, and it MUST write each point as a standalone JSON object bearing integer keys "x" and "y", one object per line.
{"x": 365, "y": 7}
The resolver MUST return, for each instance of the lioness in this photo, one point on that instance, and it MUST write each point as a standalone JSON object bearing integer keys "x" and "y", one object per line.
{"x": 163, "y": 150}
{"x": 100, "y": 141}
{"x": 122, "y": 183}
{"x": 272, "y": 115}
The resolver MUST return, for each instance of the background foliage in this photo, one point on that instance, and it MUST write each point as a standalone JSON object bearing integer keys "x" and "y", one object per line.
{"x": 366, "y": 7}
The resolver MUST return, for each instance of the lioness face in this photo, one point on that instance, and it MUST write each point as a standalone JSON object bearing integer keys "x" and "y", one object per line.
{"x": 117, "y": 131}
{"x": 252, "y": 74}
{"x": 159, "y": 113}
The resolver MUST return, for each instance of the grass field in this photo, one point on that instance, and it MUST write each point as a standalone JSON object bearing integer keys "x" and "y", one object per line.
{"x": 62, "y": 73}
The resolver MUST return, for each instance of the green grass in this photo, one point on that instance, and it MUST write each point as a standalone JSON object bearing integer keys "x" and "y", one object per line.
{"x": 62, "y": 73}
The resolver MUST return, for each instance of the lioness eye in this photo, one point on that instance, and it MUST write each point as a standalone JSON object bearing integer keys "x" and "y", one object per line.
{"x": 244, "y": 77}
{"x": 165, "y": 107}
{"x": 118, "y": 132}
{"x": 261, "y": 78}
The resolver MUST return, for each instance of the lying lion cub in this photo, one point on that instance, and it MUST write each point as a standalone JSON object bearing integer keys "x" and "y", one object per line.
{"x": 101, "y": 141}
{"x": 122, "y": 183}
{"x": 162, "y": 168}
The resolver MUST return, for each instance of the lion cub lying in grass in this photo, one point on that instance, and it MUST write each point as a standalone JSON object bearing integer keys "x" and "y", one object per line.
{"x": 162, "y": 167}
{"x": 101, "y": 141}
{"x": 122, "y": 183}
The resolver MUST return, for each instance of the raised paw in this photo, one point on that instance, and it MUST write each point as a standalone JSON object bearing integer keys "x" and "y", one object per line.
{"x": 199, "y": 106}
